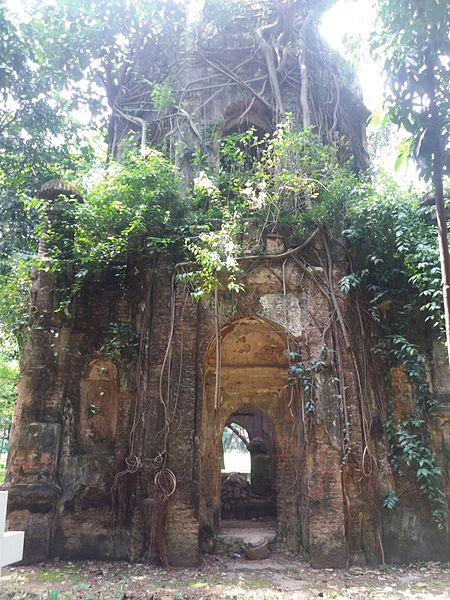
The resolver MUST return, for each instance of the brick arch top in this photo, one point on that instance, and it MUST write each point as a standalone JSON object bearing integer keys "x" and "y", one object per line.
{"x": 250, "y": 342}
{"x": 251, "y": 406}
{"x": 100, "y": 369}
{"x": 237, "y": 115}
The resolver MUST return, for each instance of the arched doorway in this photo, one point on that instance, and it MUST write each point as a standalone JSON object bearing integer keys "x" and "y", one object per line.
{"x": 253, "y": 381}
{"x": 248, "y": 469}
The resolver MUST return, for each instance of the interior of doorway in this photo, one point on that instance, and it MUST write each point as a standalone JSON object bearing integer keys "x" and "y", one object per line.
{"x": 248, "y": 478}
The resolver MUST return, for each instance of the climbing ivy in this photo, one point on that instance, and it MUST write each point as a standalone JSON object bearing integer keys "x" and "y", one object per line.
{"x": 303, "y": 373}
{"x": 390, "y": 500}
{"x": 409, "y": 439}
{"x": 122, "y": 337}
{"x": 129, "y": 209}
{"x": 392, "y": 235}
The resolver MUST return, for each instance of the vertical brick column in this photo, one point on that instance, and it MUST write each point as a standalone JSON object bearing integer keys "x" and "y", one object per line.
{"x": 35, "y": 443}
{"x": 325, "y": 499}
{"x": 183, "y": 527}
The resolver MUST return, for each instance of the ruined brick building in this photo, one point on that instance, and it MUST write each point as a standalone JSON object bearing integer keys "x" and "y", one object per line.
{"x": 100, "y": 444}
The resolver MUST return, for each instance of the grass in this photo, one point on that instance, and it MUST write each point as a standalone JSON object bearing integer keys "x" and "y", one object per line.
{"x": 58, "y": 575}
{"x": 257, "y": 582}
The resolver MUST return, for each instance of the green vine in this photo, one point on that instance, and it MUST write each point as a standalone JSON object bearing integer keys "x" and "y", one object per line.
{"x": 301, "y": 373}
{"x": 393, "y": 236}
{"x": 409, "y": 440}
{"x": 396, "y": 270}
{"x": 390, "y": 500}
{"x": 123, "y": 337}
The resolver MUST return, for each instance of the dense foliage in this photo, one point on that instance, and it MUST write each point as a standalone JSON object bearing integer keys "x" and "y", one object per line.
{"x": 394, "y": 236}
{"x": 8, "y": 381}
{"x": 289, "y": 177}
{"x": 39, "y": 139}
{"x": 409, "y": 439}
{"x": 129, "y": 207}
{"x": 114, "y": 55}
{"x": 413, "y": 40}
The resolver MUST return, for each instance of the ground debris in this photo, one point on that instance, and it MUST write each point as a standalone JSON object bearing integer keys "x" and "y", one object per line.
{"x": 229, "y": 578}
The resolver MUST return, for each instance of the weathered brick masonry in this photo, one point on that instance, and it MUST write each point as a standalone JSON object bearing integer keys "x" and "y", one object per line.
{"x": 64, "y": 455}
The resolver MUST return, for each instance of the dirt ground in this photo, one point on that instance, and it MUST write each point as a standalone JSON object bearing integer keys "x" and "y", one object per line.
{"x": 223, "y": 578}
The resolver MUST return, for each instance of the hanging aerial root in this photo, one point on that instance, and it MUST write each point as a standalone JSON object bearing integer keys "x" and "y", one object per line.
{"x": 123, "y": 489}
{"x": 123, "y": 493}
{"x": 166, "y": 484}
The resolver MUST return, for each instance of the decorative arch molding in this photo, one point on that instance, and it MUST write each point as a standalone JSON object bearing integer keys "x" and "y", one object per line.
{"x": 233, "y": 331}
{"x": 254, "y": 372}
{"x": 100, "y": 369}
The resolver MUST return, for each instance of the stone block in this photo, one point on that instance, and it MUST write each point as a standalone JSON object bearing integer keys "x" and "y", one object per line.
{"x": 33, "y": 453}
{"x": 11, "y": 547}
{"x": 11, "y": 542}
{"x": 31, "y": 508}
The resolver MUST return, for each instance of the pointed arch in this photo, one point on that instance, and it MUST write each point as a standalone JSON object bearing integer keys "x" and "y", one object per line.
{"x": 254, "y": 373}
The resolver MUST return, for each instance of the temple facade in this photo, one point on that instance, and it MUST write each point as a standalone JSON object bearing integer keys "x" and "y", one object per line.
{"x": 117, "y": 438}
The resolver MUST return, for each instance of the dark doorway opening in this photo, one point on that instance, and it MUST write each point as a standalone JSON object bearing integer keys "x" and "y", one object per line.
{"x": 248, "y": 482}
{"x": 248, "y": 143}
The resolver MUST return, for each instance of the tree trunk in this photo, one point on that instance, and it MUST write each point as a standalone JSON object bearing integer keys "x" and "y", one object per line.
{"x": 438, "y": 178}
{"x": 236, "y": 432}
{"x": 443, "y": 242}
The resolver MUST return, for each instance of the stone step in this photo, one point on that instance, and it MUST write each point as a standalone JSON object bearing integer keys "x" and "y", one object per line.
{"x": 236, "y": 539}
